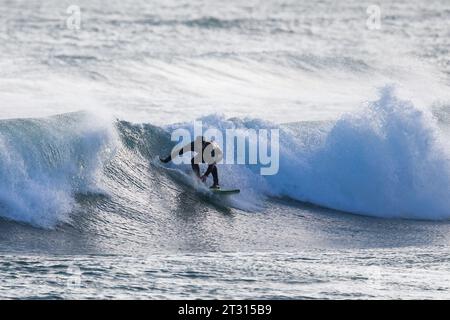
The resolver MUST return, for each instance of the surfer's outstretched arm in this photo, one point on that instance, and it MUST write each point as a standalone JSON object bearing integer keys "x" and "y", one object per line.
{"x": 165, "y": 160}
{"x": 178, "y": 152}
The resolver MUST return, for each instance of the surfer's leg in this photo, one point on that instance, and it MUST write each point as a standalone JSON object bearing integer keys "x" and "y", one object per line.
{"x": 195, "y": 166}
{"x": 213, "y": 170}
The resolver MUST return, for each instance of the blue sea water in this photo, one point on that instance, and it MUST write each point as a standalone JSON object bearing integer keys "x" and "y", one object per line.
{"x": 358, "y": 209}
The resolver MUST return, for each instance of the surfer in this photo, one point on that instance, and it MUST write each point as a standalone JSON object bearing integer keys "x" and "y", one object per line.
{"x": 206, "y": 152}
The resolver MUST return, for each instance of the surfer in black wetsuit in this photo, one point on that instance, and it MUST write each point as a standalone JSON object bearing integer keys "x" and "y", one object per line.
{"x": 206, "y": 152}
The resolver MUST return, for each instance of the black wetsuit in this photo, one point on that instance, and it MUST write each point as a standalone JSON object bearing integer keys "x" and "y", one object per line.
{"x": 199, "y": 149}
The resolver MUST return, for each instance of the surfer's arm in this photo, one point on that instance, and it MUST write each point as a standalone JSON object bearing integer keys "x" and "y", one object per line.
{"x": 178, "y": 152}
{"x": 186, "y": 148}
{"x": 165, "y": 160}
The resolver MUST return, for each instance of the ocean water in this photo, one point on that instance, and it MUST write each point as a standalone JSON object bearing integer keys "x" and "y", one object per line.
{"x": 358, "y": 210}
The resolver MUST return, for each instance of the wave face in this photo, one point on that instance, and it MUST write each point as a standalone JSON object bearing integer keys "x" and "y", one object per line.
{"x": 387, "y": 160}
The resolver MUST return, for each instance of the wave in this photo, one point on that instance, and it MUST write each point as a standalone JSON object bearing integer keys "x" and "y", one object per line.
{"x": 211, "y": 22}
{"x": 386, "y": 160}
{"x": 45, "y": 162}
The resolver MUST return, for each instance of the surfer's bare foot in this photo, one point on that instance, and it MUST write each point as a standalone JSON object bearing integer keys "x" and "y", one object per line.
{"x": 215, "y": 186}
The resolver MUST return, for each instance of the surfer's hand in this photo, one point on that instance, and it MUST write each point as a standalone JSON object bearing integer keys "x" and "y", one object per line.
{"x": 164, "y": 160}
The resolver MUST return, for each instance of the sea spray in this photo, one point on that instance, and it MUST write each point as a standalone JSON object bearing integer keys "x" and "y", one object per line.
{"x": 45, "y": 162}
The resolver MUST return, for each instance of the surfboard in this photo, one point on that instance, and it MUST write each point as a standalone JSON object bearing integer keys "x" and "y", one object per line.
{"x": 225, "y": 191}
{"x": 192, "y": 182}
